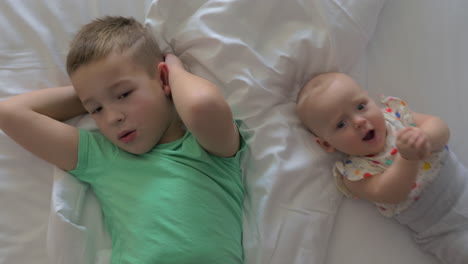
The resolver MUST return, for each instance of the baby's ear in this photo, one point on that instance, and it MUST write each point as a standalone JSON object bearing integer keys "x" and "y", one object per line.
{"x": 324, "y": 145}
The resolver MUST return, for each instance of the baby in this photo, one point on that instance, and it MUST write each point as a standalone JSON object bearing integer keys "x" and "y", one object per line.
{"x": 395, "y": 158}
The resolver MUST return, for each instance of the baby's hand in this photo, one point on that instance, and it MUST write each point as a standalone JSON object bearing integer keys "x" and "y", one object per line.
{"x": 173, "y": 61}
{"x": 413, "y": 143}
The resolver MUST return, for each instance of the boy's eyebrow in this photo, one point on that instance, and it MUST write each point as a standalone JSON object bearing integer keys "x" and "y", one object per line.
{"x": 110, "y": 88}
{"x": 117, "y": 84}
{"x": 86, "y": 101}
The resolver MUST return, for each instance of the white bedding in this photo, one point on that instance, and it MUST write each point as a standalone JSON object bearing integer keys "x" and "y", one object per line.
{"x": 260, "y": 53}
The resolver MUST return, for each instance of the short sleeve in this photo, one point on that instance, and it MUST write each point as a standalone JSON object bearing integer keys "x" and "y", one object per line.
{"x": 243, "y": 136}
{"x": 93, "y": 148}
{"x": 338, "y": 176}
{"x": 399, "y": 108}
{"x": 355, "y": 168}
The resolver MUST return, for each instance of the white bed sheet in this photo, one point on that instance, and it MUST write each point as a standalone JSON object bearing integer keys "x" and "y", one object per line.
{"x": 411, "y": 55}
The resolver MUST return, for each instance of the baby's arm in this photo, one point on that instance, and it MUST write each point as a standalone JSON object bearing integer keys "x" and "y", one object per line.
{"x": 33, "y": 121}
{"x": 435, "y": 129}
{"x": 414, "y": 144}
{"x": 392, "y": 186}
{"x": 203, "y": 110}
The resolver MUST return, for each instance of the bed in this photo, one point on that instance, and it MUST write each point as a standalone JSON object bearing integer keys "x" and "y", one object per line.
{"x": 260, "y": 53}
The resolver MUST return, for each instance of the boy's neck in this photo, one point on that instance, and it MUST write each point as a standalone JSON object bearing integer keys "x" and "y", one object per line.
{"x": 174, "y": 132}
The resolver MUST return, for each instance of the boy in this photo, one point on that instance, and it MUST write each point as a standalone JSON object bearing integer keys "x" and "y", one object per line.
{"x": 169, "y": 194}
{"x": 395, "y": 158}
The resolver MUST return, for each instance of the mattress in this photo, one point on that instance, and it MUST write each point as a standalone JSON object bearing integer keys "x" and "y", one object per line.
{"x": 260, "y": 53}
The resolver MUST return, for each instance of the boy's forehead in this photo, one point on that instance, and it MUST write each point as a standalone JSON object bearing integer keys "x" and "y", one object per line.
{"x": 100, "y": 74}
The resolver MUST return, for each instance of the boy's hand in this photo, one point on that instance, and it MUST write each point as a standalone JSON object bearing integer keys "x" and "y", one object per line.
{"x": 203, "y": 110}
{"x": 413, "y": 143}
{"x": 173, "y": 62}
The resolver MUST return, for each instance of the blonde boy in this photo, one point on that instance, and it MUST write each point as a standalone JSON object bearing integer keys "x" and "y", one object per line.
{"x": 165, "y": 161}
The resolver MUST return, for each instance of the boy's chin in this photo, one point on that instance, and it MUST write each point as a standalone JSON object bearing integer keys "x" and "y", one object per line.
{"x": 135, "y": 150}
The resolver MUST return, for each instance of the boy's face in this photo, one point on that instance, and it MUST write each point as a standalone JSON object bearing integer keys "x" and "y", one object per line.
{"x": 346, "y": 119}
{"x": 133, "y": 110}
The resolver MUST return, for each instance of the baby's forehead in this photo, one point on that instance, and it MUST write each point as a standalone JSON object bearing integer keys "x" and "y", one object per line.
{"x": 321, "y": 83}
{"x": 320, "y": 108}
{"x": 326, "y": 102}
{"x": 317, "y": 85}
{"x": 318, "y": 96}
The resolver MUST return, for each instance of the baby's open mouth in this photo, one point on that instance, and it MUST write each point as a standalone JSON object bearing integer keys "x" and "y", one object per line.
{"x": 370, "y": 135}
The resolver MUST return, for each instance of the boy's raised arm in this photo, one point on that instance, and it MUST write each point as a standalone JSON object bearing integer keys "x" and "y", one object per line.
{"x": 33, "y": 120}
{"x": 203, "y": 109}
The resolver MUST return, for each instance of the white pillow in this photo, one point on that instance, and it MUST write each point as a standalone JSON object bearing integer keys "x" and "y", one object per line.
{"x": 260, "y": 53}
{"x": 279, "y": 44}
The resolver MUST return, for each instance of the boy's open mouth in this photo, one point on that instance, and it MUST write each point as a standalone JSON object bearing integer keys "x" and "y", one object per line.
{"x": 369, "y": 136}
{"x": 127, "y": 136}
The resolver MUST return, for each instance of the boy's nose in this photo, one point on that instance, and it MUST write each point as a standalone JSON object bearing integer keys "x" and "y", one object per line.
{"x": 115, "y": 117}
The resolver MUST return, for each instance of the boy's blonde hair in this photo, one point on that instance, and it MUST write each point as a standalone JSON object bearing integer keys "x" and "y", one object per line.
{"x": 105, "y": 35}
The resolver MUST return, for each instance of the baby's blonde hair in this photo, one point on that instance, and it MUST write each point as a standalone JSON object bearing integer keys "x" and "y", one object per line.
{"x": 316, "y": 84}
{"x": 311, "y": 89}
{"x": 109, "y": 34}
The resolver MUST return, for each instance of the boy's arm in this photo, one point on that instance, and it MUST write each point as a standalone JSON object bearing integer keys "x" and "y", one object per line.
{"x": 33, "y": 120}
{"x": 203, "y": 110}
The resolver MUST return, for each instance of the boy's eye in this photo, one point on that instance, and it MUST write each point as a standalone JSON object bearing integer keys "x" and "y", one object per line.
{"x": 96, "y": 110}
{"x": 361, "y": 106}
{"x": 341, "y": 124}
{"x": 124, "y": 95}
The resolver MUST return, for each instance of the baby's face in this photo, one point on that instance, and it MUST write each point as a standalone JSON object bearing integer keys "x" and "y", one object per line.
{"x": 347, "y": 119}
{"x": 130, "y": 108}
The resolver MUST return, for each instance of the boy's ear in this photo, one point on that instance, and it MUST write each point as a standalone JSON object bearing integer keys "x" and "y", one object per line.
{"x": 163, "y": 75}
{"x": 324, "y": 145}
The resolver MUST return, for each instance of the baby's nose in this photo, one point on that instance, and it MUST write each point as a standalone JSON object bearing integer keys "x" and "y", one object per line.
{"x": 359, "y": 122}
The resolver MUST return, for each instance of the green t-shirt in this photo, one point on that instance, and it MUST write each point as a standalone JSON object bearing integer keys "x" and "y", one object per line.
{"x": 175, "y": 204}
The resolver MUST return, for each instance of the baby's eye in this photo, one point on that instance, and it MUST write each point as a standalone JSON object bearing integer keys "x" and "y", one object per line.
{"x": 341, "y": 124}
{"x": 96, "y": 110}
{"x": 124, "y": 95}
{"x": 361, "y": 106}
